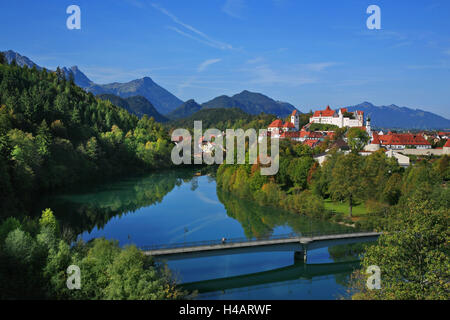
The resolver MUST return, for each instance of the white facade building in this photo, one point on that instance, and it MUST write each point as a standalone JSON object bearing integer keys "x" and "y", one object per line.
{"x": 340, "y": 118}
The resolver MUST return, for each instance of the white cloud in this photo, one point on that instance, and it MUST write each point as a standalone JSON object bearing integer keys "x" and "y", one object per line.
{"x": 265, "y": 75}
{"x": 234, "y": 8}
{"x": 103, "y": 75}
{"x": 136, "y": 3}
{"x": 441, "y": 65}
{"x": 292, "y": 76}
{"x": 200, "y": 36}
{"x": 320, "y": 66}
{"x": 255, "y": 60}
{"x": 207, "y": 63}
{"x": 205, "y": 198}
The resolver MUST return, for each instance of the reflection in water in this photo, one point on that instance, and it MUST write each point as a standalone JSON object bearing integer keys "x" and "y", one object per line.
{"x": 259, "y": 222}
{"x": 92, "y": 207}
{"x": 296, "y": 271}
{"x": 178, "y": 206}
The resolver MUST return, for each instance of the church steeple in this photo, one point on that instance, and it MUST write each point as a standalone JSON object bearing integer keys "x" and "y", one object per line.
{"x": 368, "y": 128}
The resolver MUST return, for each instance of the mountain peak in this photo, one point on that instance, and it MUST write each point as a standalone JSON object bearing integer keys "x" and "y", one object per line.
{"x": 395, "y": 117}
{"x": 11, "y": 55}
{"x": 251, "y": 103}
{"x": 160, "y": 98}
{"x": 185, "y": 110}
{"x": 80, "y": 78}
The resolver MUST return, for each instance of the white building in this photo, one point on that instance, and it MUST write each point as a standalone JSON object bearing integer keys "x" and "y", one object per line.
{"x": 277, "y": 127}
{"x": 402, "y": 160}
{"x": 340, "y": 118}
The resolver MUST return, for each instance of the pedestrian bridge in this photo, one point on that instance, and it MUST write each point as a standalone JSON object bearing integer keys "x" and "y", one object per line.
{"x": 300, "y": 244}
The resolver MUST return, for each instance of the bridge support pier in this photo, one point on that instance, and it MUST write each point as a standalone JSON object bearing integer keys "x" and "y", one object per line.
{"x": 300, "y": 256}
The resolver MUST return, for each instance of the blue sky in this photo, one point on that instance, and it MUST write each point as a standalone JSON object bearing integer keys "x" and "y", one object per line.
{"x": 308, "y": 53}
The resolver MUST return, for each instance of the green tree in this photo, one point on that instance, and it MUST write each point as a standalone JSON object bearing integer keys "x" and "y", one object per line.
{"x": 132, "y": 277}
{"x": 347, "y": 180}
{"x": 298, "y": 171}
{"x": 2, "y": 58}
{"x": 443, "y": 167}
{"x": 43, "y": 139}
{"x": 357, "y": 139}
{"x": 412, "y": 255}
{"x": 92, "y": 148}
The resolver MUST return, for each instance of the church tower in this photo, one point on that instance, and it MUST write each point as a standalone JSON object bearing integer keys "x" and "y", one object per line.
{"x": 368, "y": 128}
{"x": 295, "y": 120}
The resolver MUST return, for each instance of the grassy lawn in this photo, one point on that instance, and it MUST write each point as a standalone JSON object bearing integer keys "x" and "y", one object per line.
{"x": 342, "y": 207}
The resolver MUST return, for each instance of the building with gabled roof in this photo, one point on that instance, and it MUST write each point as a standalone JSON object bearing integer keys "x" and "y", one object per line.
{"x": 403, "y": 141}
{"x": 340, "y": 118}
{"x": 446, "y": 148}
{"x": 311, "y": 143}
{"x": 277, "y": 127}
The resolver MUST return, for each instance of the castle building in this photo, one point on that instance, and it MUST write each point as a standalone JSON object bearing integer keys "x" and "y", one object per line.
{"x": 340, "y": 118}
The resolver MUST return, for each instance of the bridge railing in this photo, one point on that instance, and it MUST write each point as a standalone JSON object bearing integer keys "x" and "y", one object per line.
{"x": 292, "y": 235}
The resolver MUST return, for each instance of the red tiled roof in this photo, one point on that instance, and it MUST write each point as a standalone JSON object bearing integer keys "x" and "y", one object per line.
{"x": 444, "y": 133}
{"x": 288, "y": 125}
{"x": 328, "y": 112}
{"x": 447, "y": 144}
{"x": 339, "y": 144}
{"x": 294, "y": 113}
{"x": 304, "y": 134}
{"x": 311, "y": 143}
{"x": 331, "y": 134}
{"x": 316, "y": 134}
{"x": 295, "y": 134}
{"x": 375, "y": 138}
{"x": 403, "y": 139}
{"x": 344, "y": 110}
{"x": 276, "y": 124}
{"x": 360, "y": 112}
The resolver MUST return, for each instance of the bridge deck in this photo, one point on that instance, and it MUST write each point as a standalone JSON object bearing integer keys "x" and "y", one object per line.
{"x": 232, "y": 244}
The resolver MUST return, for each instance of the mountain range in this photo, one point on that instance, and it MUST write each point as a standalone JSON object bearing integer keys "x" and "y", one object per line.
{"x": 137, "y": 105}
{"x": 169, "y": 106}
{"x": 160, "y": 98}
{"x": 185, "y": 110}
{"x": 163, "y": 100}
{"x": 20, "y": 60}
{"x": 219, "y": 118}
{"x": 252, "y": 103}
{"x": 395, "y": 117}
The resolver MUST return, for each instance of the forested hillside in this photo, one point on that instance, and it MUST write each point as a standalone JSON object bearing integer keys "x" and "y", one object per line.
{"x": 224, "y": 118}
{"x": 53, "y": 133}
{"x": 137, "y": 105}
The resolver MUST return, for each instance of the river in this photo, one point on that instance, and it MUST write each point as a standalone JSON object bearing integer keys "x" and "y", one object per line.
{"x": 177, "y": 206}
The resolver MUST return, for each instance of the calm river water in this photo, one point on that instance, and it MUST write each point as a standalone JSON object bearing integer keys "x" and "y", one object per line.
{"x": 176, "y": 206}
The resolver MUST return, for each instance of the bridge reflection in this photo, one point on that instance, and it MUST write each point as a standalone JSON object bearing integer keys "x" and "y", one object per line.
{"x": 298, "y": 270}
